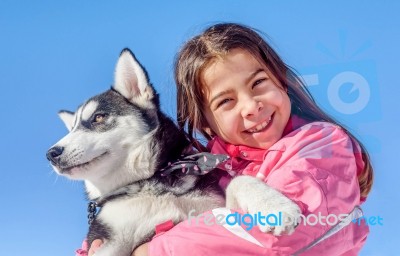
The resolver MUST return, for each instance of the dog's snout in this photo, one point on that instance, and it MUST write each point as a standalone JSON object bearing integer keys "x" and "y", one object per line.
{"x": 53, "y": 154}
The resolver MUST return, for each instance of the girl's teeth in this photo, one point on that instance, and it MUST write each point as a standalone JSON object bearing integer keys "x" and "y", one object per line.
{"x": 260, "y": 126}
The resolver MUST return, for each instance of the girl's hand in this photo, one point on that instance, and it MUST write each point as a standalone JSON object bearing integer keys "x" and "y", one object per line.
{"x": 140, "y": 251}
{"x": 96, "y": 244}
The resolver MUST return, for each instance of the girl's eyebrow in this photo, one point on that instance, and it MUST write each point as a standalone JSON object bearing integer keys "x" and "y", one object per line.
{"x": 251, "y": 76}
{"x": 220, "y": 94}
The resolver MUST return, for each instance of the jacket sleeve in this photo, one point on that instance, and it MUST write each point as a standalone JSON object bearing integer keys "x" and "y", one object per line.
{"x": 316, "y": 166}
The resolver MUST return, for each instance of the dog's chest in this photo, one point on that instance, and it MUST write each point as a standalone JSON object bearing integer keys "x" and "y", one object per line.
{"x": 142, "y": 211}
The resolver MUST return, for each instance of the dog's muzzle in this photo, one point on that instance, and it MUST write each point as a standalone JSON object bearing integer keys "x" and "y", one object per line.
{"x": 53, "y": 155}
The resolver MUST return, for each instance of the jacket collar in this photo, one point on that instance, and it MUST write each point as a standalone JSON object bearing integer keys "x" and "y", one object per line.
{"x": 217, "y": 145}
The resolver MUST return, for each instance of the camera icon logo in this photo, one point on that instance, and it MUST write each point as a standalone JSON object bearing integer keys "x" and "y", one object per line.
{"x": 358, "y": 84}
{"x": 348, "y": 91}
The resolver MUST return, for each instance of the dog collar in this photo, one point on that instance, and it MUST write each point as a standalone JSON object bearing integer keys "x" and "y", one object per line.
{"x": 92, "y": 211}
{"x": 95, "y": 204}
{"x": 196, "y": 164}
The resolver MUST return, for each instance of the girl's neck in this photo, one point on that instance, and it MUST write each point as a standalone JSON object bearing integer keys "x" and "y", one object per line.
{"x": 294, "y": 123}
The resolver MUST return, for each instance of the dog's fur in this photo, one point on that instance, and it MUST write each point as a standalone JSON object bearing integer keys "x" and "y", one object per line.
{"x": 118, "y": 142}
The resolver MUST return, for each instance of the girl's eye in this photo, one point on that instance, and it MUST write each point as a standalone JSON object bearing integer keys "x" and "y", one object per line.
{"x": 98, "y": 118}
{"x": 259, "y": 81}
{"x": 223, "y": 102}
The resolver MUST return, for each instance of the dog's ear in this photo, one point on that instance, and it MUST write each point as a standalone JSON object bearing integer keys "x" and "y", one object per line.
{"x": 131, "y": 80}
{"x": 68, "y": 118}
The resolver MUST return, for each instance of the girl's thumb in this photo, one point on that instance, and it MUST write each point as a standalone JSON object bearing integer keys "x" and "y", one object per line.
{"x": 96, "y": 244}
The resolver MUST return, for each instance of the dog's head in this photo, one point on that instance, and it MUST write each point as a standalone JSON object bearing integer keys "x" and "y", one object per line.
{"x": 109, "y": 137}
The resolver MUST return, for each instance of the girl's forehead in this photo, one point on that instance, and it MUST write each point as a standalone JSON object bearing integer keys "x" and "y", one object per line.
{"x": 236, "y": 61}
{"x": 236, "y": 64}
{"x": 237, "y": 54}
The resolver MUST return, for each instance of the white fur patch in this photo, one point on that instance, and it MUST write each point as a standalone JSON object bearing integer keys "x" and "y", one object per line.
{"x": 78, "y": 115}
{"x": 254, "y": 196}
{"x": 89, "y": 109}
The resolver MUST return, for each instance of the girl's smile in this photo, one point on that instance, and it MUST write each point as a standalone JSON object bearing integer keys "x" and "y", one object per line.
{"x": 260, "y": 127}
{"x": 244, "y": 103}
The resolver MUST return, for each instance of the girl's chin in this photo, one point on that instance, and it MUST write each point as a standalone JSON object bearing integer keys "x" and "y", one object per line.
{"x": 261, "y": 141}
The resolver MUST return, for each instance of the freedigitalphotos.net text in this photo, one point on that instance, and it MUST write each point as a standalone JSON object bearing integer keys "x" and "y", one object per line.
{"x": 275, "y": 219}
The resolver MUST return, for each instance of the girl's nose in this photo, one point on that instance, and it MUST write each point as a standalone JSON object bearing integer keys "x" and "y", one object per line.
{"x": 251, "y": 107}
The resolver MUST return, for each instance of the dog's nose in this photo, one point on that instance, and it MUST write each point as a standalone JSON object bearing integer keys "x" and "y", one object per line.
{"x": 53, "y": 154}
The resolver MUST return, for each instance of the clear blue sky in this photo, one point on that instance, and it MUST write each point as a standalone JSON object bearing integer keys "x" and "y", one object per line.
{"x": 55, "y": 54}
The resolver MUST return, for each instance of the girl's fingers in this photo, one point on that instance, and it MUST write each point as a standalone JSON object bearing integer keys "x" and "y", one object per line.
{"x": 142, "y": 250}
{"x": 94, "y": 246}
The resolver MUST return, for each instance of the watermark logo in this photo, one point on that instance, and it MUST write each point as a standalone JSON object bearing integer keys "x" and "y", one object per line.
{"x": 370, "y": 221}
{"x": 250, "y": 221}
{"x": 347, "y": 88}
{"x": 358, "y": 83}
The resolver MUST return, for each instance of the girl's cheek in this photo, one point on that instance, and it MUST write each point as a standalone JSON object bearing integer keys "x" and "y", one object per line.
{"x": 227, "y": 122}
{"x": 226, "y": 128}
{"x": 275, "y": 97}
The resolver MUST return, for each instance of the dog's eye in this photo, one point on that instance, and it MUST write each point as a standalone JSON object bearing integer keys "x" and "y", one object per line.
{"x": 98, "y": 118}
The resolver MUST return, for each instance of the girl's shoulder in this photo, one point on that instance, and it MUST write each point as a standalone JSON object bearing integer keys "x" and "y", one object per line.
{"x": 313, "y": 133}
{"x": 297, "y": 124}
{"x": 319, "y": 127}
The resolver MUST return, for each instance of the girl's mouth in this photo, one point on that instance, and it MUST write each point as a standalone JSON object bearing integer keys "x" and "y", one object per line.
{"x": 262, "y": 126}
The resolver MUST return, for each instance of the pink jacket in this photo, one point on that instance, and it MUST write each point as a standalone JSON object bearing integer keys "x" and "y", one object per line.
{"x": 316, "y": 165}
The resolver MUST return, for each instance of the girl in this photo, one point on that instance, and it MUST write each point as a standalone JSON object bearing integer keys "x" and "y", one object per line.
{"x": 236, "y": 91}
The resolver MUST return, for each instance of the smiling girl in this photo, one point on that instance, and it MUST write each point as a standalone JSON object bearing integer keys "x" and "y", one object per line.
{"x": 236, "y": 91}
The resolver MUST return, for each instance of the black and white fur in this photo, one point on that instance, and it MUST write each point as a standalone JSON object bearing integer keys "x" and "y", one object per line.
{"x": 117, "y": 143}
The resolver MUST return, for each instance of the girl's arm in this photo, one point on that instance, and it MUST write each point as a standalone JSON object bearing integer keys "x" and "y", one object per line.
{"x": 140, "y": 251}
{"x": 317, "y": 167}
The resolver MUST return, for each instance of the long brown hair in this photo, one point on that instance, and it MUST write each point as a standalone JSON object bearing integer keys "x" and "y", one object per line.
{"x": 217, "y": 41}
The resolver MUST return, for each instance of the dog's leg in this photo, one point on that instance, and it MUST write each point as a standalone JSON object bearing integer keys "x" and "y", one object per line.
{"x": 254, "y": 196}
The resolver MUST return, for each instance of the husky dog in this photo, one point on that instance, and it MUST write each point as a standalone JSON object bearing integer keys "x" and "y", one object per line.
{"x": 118, "y": 143}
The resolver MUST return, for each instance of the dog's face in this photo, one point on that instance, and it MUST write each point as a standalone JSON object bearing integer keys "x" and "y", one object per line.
{"x": 107, "y": 132}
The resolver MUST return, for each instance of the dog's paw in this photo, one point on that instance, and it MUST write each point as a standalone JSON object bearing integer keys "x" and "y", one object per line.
{"x": 275, "y": 213}
{"x": 281, "y": 214}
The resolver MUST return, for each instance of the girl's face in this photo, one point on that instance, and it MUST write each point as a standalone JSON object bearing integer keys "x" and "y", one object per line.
{"x": 244, "y": 103}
